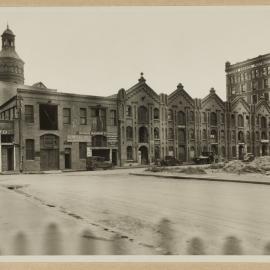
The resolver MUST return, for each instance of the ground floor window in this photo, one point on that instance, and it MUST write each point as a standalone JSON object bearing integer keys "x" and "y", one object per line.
{"x": 129, "y": 153}
{"x": 30, "y": 149}
{"x": 82, "y": 150}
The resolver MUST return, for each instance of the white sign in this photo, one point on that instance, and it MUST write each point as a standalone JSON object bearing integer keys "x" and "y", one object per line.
{"x": 78, "y": 138}
{"x": 88, "y": 152}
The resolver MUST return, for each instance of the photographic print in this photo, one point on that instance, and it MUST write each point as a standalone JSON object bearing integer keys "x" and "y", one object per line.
{"x": 135, "y": 130}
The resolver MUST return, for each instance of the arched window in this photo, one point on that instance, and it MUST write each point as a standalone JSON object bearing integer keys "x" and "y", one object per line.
{"x": 263, "y": 122}
{"x": 181, "y": 118}
{"x": 170, "y": 115}
{"x": 129, "y": 111}
{"x": 143, "y": 135}
{"x": 263, "y": 136}
{"x": 257, "y": 135}
{"x": 129, "y": 133}
{"x": 233, "y": 120}
{"x": 191, "y": 134}
{"x": 204, "y": 134}
{"x": 241, "y": 136}
{"x": 181, "y": 136}
{"x": 233, "y": 135}
{"x": 99, "y": 141}
{"x": 213, "y": 119}
{"x": 156, "y": 113}
{"x": 142, "y": 114}
{"x": 240, "y": 120}
{"x": 170, "y": 135}
{"x": 222, "y": 118}
{"x": 156, "y": 133}
{"x": 191, "y": 116}
{"x": 248, "y": 136}
{"x": 222, "y": 134}
{"x": 204, "y": 117}
{"x": 129, "y": 153}
{"x": 213, "y": 135}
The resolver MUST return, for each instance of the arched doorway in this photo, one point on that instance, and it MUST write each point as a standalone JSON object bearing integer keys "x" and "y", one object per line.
{"x": 49, "y": 152}
{"x": 241, "y": 151}
{"x": 264, "y": 149}
{"x": 144, "y": 155}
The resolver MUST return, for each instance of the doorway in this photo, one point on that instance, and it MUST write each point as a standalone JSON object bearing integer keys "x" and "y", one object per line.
{"x": 10, "y": 162}
{"x": 144, "y": 155}
{"x": 241, "y": 152}
{"x": 49, "y": 152}
{"x": 67, "y": 158}
{"x": 264, "y": 149}
{"x": 114, "y": 157}
{"x": 182, "y": 153}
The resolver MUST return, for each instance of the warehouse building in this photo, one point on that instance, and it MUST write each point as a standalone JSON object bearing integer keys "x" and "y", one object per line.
{"x": 43, "y": 129}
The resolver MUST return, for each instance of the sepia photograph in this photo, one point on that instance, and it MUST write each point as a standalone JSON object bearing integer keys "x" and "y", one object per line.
{"x": 134, "y": 131}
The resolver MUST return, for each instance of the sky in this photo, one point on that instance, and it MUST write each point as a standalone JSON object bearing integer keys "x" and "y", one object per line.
{"x": 99, "y": 50}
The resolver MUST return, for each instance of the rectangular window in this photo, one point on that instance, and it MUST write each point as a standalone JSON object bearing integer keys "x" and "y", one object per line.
{"x": 265, "y": 83}
{"x": 83, "y": 116}
{"x": 29, "y": 113}
{"x": 82, "y": 150}
{"x": 264, "y": 71}
{"x": 266, "y": 96}
{"x": 254, "y": 97}
{"x": 67, "y": 116}
{"x": 113, "y": 117}
{"x": 30, "y": 149}
{"x": 48, "y": 117}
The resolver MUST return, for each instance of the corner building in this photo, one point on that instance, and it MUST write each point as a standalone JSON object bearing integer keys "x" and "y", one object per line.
{"x": 43, "y": 129}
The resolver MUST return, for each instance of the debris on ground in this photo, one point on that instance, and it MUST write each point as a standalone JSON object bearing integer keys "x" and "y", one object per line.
{"x": 258, "y": 165}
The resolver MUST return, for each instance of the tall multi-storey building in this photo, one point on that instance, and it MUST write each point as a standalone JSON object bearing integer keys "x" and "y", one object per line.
{"x": 43, "y": 129}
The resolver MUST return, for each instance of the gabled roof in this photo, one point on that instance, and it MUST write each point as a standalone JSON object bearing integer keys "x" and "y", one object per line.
{"x": 262, "y": 102}
{"x": 213, "y": 95}
{"x": 238, "y": 100}
{"x": 142, "y": 86}
{"x": 39, "y": 85}
{"x": 180, "y": 91}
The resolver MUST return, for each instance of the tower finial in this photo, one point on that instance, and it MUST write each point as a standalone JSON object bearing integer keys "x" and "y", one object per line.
{"x": 7, "y": 25}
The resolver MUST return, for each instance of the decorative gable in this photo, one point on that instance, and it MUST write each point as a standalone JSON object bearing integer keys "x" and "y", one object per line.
{"x": 239, "y": 105}
{"x": 180, "y": 96}
{"x": 262, "y": 107}
{"x": 213, "y": 97}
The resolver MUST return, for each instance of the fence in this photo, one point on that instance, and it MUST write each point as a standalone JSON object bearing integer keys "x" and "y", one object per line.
{"x": 53, "y": 243}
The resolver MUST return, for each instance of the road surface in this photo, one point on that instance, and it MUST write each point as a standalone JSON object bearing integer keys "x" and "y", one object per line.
{"x": 116, "y": 205}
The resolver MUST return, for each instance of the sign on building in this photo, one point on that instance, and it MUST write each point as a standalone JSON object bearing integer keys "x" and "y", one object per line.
{"x": 78, "y": 138}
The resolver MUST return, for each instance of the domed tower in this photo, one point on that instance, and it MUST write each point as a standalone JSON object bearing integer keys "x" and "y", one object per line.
{"x": 11, "y": 65}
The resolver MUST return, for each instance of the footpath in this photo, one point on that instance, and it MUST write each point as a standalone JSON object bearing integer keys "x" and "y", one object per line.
{"x": 251, "y": 178}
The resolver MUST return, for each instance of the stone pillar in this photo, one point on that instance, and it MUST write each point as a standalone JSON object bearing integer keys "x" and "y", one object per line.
{"x": 110, "y": 154}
